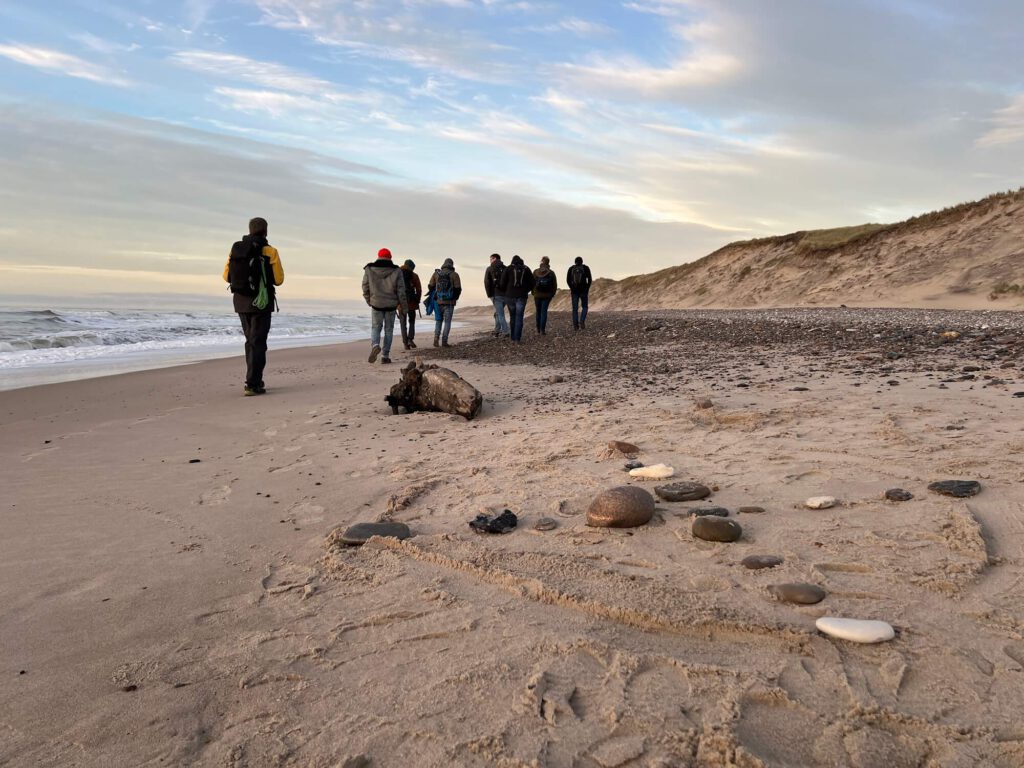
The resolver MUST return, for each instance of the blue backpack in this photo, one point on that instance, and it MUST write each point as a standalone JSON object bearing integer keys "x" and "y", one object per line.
{"x": 444, "y": 286}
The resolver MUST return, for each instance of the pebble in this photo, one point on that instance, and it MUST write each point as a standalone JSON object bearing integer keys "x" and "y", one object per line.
{"x": 632, "y": 464}
{"x": 856, "y": 630}
{"x": 545, "y": 524}
{"x": 959, "y": 489}
{"x": 684, "y": 491}
{"x": 716, "y": 529}
{"x": 622, "y": 447}
{"x": 503, "y": 523}
{"x": 757, "y": 562}
{"x": 359, "y": 533}
{"x": 1018, "y": 394}
{"x": 555, "y": 379}
{"x": 800, "y": 593}
{"x": 653, "y": 472}
{"x": 190, "y": 461}
{"x": 800, "y": 389}
{"x": 820, "y": 502}
{"x": 750, "y": 510}
{"x": 625, "y": 506}
{"x": 704, "y": 403}
{"x": 898, "y": 494}
{"x": 708, "y": 512}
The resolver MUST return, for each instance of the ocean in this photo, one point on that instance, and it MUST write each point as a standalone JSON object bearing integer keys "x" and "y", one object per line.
{"x": 39, "y": 346}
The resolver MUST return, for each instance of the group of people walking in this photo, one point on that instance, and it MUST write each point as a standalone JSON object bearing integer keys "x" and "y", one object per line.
{"x": 254, "y": 269}
{"x": 509, "y": 287}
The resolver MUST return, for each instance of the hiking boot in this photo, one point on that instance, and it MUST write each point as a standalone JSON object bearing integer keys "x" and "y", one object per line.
{"x": 260, "y": 390}
{"x": 374, "y": 352}
{"x": 249, "y": 391}
{"x": 445, "y": 344}
{"x": 385, "y": 360}
{"x": 437, "y": 342}
{"x": 412, "y": 344}
{"x": 407, "y": 346}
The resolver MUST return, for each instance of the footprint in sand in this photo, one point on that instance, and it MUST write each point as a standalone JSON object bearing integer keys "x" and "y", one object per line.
{"x": 304, "y": 513}
{"x": 216, "y": 496}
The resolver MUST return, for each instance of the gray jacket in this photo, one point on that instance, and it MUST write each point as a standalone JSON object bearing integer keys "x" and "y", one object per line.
{"x": 383, "y": 285}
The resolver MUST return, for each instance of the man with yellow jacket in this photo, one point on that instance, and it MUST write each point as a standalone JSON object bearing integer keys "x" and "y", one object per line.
{"x": 253, "y": 270}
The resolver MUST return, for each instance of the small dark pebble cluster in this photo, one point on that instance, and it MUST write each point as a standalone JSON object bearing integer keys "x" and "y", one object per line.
{"x": 503, "y": 523}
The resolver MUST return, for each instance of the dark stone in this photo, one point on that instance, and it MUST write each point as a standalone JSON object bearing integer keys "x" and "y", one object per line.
{"x": 800, "y": 389}
{"x": 621, "y": 447}
{"x": 892, "y": 383}
{"x": 683, "y": 491}
{"x": 358, "y": 534}
{"x": 625, "y": 506}
{"x": 898, "y": 494}
{"x": 716, "y": 529}
{"x": 129, "y": 688}
{"x": 555, "y": 379}
{"x": 632, "y": 464}
{"x": 799, "y": 593}
{"x": 971, "y": 368}
{"x": 750, "y": 510}
{"x": 703, "y": 403}
{"x": 502, "y": 523}
{"x": 960, "y": 489}
{"x": 194, "y": 461}
{"x": 708, "y": 512}
{"x": 1018, "y": 394}
{"x": 757, "y": 562}
{"x": 545, "y": 524}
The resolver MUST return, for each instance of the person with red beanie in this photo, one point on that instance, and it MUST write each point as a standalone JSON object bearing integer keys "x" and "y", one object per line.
{"x": 385, "y": 293}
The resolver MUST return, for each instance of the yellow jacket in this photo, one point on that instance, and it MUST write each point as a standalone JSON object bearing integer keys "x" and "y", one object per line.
{"x": 275, "y": 264}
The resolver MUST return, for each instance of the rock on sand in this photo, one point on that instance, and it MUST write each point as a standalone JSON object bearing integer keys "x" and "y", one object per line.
{"x": 820, "y": 502}
{"x": 622, "y": 507}
{"x": 653, "y": 472}
{"x": 855, "y": 630}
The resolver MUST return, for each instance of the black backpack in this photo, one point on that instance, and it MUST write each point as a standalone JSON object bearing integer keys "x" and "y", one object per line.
{"x": 546, "y": 282}
{"x": 578, "y": 276}
{"x": 518, "y": 270}
{"x": 497, "y": 270}
{"x": 245, "y": 267}
{"x": 444, "y": 288}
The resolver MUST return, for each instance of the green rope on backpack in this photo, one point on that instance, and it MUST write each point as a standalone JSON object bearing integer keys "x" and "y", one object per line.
{"x": 262, "y": 297}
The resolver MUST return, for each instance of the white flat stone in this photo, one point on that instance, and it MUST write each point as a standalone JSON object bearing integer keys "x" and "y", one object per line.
{"x": 856, "y": 630}
{"x": 653, "y": 472}
{"x": 820, "y": 502}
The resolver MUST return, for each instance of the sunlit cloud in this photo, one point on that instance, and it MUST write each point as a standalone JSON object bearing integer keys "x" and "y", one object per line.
{"x": 59, "y": 63}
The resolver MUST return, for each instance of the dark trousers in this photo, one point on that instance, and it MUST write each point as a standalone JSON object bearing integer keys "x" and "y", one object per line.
{"x": 256, "y": 327}
{"x": 541, "y": 307}
{"x": 579, "y": 320}
{"x": 407, "y": 322}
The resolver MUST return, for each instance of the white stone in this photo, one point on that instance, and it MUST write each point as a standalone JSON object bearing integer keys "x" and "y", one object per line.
{"x": 653, "y": 472}
{"x": 820, "y": 502}
{"x": 856, "y": 630}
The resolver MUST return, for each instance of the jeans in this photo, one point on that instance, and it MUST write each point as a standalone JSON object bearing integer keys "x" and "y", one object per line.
{"x": 541, "y": 306}
{"x": 500, "y": 323}
{"x": 385, "y": 318}
{"x": 443, "y": 317}
{"x": 407, "y": 323}
{"x": 256, "y": 327}
{"x": 518, "y": 307}
{"x": 579, "y": 320}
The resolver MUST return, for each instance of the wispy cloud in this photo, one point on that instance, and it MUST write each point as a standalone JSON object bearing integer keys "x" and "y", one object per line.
{"x": 1008, "y": 125}
{"x": 59, "y": 63}
{"x": 262, "y": 73}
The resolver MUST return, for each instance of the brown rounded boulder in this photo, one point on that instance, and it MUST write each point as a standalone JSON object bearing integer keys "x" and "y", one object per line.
{"x": 625, "y": 506}
{"x": 716, "y": 529}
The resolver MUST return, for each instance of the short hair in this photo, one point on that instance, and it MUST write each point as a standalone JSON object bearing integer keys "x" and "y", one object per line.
{"x": 495, "y": 255}
{"x": 579, "y": 259}
{"x": 258, "y": 226}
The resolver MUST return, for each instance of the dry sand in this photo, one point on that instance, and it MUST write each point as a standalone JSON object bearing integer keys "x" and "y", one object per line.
{"x": 162, "y": 612}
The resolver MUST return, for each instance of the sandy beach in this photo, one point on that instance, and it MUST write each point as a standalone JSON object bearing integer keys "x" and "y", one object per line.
{"x": 172, "y": 594}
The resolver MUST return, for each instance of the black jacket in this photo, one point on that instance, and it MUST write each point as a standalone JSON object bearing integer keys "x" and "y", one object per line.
{"x": 492, "y": 279}
{"x": 517, "y": 281}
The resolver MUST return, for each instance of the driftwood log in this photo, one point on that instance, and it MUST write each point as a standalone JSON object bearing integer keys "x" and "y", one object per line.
{"x": 430, "y": 388}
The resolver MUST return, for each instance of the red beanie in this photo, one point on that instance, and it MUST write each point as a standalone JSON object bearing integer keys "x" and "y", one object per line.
{"x": 383, "y": 253}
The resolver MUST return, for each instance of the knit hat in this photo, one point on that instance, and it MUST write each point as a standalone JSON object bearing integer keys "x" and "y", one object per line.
{"x": 383, "y": 253}
{"x": 579, "y": 259}
{"x": 448, "y": 264}
{"x": 410, "y": 264}
{"x": 516, "y": 259}
{"x": 545, "y": 260}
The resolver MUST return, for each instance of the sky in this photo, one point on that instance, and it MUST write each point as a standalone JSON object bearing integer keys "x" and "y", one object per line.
{"x": 137, "y": 137}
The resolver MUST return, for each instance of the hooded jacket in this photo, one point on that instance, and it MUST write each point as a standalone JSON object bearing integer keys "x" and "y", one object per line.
{"x": 540, "y": 273}
{"x": 242, "y": 303}
{"x": 492, "y": 278}
{"x": 413, "y": 288}
{"x": 383, "y": 285}
{"x": 517, "y": 282}
{"x": 456, "y": 283}
{"x": 584, "y": 287}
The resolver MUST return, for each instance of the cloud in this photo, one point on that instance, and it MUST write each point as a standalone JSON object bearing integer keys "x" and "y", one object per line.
{"x": 1009, "y": 125}
{"x": 57, "y": 62}
{"x": 265, "y": 74}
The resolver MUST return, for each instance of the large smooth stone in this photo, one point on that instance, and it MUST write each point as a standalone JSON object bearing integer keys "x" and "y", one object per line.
{"x": 682, "y": 491}
{"x": 799, "y": 593}
{"x": 623, "y": 507}
{"x": 359, "y": 533}
{"x": 856, "y": 630}
{"x": 716, "y": 529}
{"x": 820, "y": 502}
{"x": 757, "y": 562}
{"x": 960, "y": 489}
{"x": 622, "y": 447}
{"x": 653, "y": 472}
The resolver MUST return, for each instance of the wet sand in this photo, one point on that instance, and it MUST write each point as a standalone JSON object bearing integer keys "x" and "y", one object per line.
{"x": 165, "y": 611}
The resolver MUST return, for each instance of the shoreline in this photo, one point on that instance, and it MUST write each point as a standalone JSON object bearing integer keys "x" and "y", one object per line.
{"x": 166, "y": 567}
